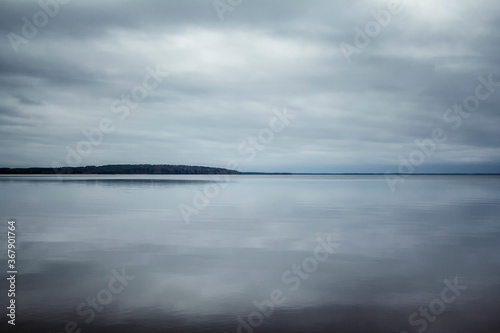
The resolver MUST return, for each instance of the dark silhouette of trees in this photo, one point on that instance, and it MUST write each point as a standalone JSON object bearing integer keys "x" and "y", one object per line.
{"x": 123, "y": 169}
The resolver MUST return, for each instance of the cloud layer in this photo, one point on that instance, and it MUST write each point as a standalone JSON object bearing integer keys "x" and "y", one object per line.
{"x": 65, "y": 66}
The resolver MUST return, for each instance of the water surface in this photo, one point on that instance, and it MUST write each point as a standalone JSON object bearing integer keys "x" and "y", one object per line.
{"x": 391, "y": 253}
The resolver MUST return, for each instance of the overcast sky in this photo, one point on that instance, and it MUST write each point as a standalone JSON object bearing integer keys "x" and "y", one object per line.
{"x": 358, "y": 105}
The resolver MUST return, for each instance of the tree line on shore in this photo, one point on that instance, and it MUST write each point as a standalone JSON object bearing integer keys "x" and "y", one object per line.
{"x": 123, "y": 169}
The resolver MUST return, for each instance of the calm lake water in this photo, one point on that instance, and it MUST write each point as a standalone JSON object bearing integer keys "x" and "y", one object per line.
{"x": 259, "y": 254}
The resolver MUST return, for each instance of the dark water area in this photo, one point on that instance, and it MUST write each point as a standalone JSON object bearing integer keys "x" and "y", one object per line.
{"x": 252, "y": 254}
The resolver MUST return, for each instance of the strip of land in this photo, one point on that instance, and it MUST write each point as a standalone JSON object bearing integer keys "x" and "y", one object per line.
{"x": 122, "y": 169}
{"x": 168, "y": 169}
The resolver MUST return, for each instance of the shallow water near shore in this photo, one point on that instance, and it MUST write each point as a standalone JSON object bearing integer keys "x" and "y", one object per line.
{"x": 253, "y": 253}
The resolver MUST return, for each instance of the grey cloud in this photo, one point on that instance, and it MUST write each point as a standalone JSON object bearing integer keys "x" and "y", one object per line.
{"x": 227, "y": 76}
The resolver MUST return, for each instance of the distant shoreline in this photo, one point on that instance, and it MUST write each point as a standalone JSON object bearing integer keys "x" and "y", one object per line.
{"x": 121, "y": 169}
{"x": 167, "y": 169}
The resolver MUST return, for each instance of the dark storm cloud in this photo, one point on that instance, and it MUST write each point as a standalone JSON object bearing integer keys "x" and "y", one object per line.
{"x": 226, "y": 76}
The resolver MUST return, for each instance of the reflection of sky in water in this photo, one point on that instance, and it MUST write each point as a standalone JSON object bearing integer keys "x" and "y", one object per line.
{"x": 396, "y": 248}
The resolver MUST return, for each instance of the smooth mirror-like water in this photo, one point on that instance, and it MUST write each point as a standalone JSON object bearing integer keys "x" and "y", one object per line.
{"x": 259, "y": 254}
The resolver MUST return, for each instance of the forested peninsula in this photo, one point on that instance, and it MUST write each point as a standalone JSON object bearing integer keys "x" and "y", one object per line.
{"x": 122, "y": 169}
